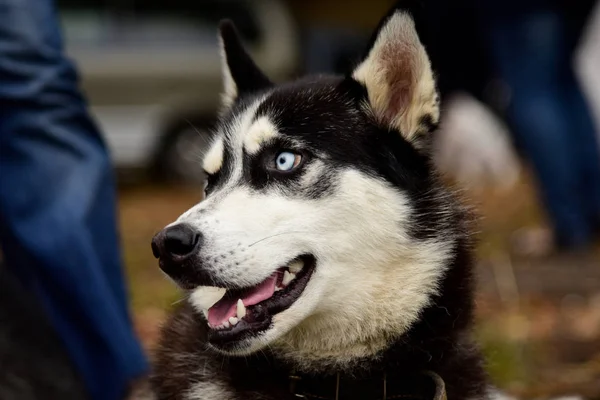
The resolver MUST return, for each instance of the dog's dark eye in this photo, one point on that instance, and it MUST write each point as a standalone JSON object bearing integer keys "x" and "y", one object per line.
{"x": 286, "y": 161}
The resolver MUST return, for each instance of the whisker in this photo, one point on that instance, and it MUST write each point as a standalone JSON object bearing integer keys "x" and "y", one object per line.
{"x": 193, "y": 126}
{"x": 275, "y": 235}
{"x": 178, "y": 301}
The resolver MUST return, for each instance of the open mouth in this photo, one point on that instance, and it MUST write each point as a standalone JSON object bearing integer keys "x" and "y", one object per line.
{"x": 241, "y": 313}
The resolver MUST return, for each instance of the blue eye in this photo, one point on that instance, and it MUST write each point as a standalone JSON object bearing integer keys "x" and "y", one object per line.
{"x": 287, "y": 161}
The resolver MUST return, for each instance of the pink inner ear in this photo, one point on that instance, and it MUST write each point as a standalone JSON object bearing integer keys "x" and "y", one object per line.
{"x": 400, "y": 75}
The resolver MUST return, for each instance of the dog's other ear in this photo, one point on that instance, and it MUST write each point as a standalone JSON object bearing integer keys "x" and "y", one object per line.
{"x": 240, "y": 73}
{"x": 398, "y": 77}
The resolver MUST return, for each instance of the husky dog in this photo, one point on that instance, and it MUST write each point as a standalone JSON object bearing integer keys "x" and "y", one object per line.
{"x": 344, "y": 264}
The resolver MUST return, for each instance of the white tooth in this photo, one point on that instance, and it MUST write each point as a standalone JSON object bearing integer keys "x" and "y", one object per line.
{"x": 296, "y": 267}
{"x": 226, "y": 324}
{"x": 287, "y": 278}
{"x": 241, "y": 309}
{"x": 233, "y": 321}
{"x": 278, "y": 288}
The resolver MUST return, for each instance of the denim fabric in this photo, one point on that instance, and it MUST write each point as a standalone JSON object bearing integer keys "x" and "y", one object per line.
{"x": 58, "y": 230}
{"x": 549, "y": 116}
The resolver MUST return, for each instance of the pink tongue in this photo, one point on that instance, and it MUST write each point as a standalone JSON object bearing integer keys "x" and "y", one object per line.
{"x": 225, "y": 308}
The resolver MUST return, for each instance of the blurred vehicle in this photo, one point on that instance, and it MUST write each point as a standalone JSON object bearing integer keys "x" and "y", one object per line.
{"x": 151, "y": 71}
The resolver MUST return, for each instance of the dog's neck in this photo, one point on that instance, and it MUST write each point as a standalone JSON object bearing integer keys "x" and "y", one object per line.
{"x": 421, "y": 385}
{"x": 438, "y": 342}
{"x": 446, "y": 318}
{"x": 374, "y": 380}
{"x": 344, "y": 357}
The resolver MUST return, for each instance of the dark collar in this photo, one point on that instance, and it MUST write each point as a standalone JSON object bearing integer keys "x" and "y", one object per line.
{"x": 420, "y": 386}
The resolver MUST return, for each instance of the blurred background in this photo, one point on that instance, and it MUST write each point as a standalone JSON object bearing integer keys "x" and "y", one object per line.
{"x": 150, "y": 70}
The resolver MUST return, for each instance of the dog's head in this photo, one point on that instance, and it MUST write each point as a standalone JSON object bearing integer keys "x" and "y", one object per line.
{"x": 323, "y": 219}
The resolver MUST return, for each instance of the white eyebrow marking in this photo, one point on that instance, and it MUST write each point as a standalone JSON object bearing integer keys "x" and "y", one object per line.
{"x": 213, "y": 161}
{"x": 259, "y": 132}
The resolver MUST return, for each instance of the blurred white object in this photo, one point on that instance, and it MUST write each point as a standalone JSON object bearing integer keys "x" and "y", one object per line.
{"x": 569, "y": 398}
{"x": 473, "y": 145}
{"x": 587, "y": 64}
{"x": 498, "y": 395}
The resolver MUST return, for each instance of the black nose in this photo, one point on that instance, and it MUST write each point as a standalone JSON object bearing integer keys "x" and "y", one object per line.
{"x": 176, "y": 242}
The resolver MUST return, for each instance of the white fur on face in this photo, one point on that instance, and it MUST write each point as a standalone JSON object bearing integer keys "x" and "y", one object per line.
{"x": 213, "y": 160}
{"x": 261, "y": 131}
{"x": 398, "y": 78}
{"x": 241, "y": 127}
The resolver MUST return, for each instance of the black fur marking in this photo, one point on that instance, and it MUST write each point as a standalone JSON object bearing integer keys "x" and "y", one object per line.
{"x": 322, "y": 187}
{"x": 416, "y": 386}
{"x": 246, "y": 75}
{"x": 322, "y": 115}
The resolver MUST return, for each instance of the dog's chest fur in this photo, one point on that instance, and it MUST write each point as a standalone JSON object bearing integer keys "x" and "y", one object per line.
{"x": 440, "y": 342}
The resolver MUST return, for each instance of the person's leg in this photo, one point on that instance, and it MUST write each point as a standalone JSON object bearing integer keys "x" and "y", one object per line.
{"x": 57, "y": 200}
{"x": 34, "y": 363}
{"x": 525, "y": 48}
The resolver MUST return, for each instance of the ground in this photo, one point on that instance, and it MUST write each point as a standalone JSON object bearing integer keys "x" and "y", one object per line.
{"x": 538, "y": 320}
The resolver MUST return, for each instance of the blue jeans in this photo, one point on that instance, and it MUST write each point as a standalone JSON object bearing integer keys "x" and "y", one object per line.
{"x": 58, "y": 230}
{"x": 549, "y": 116}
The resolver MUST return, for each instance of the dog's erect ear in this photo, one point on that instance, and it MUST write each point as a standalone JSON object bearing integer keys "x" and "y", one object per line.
{"x": 240, "y": 73}
{"x": 398, "y": 77}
